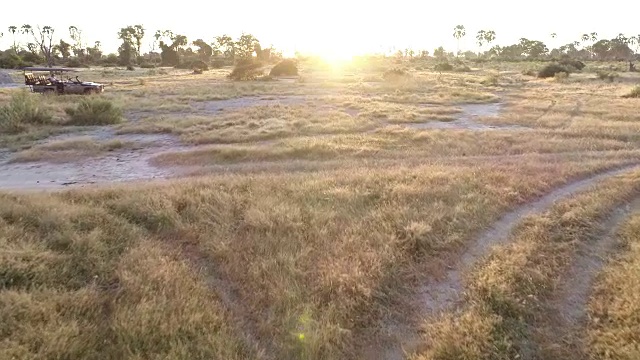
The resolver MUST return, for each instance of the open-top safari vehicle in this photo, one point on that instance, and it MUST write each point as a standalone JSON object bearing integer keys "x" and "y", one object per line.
{"x": 51, "y": 84}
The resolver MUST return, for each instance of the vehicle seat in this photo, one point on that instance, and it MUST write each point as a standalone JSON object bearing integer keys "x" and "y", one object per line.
{"x": 29, "y": 79}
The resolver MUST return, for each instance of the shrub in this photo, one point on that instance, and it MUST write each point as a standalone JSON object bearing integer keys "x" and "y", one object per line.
{"x": 395, "y": 74}
{"x": 551, "y": 70}
{"x": 23, "y": 110}
{"x": 443, "y": 66}
{"x": 607, "y": 75}
{"x": 193, "y": 65}
{"x": 286, "y": 67}
{"x": 10, "y": 61}
{"x": 198, "y": 71}
{"x": 461, "y": 68}
{"x": 576, "y": 64}
{"x": 491, "y": 79}
{"x": 130, "y": 68}
{"x": 94, "y": 111}
{"x": 561, "y": 76}
{"x": 246, "y": 69}
{"x": 75, "y": 63}
{"x": 218, "y": 64}
{"x": 147, "y": 66}
{"x": 634, "y": 93}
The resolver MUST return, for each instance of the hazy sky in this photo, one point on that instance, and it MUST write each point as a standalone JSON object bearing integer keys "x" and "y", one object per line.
{"x": 333, "y": 27}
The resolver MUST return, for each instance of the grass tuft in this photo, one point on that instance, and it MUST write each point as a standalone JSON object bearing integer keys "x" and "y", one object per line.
{"x": 94, "y": 111}
{"x": 23, "y": 110}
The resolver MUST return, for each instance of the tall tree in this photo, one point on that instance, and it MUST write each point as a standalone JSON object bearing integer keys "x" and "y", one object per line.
{"x": 63, "y": 48}
{"x": 245, "y": 46}
{"x": 480, "y": 39}
{"x": 132, "y": 35}
{"x": 226, "y": 45}
{"x": 204, "y": 50}
{"x": 13, "y": 29}
{"x": 77, "y": 46}
{"x": 458, "y": 33}
{"x": 43, "y": 41}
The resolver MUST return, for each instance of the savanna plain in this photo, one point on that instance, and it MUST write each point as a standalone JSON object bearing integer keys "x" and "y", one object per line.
{"x": 349, "y": 212}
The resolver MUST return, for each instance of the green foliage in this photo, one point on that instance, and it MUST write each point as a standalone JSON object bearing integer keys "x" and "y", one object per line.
{"x": 23, "y": 110}
{"x": 551, "y": 70}
{"x": 94, "y": 111}
{"x": 246, "y": 69}
{"x": 287, "y": 67}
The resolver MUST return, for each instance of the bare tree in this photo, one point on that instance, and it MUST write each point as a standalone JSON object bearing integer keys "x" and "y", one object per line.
{"x": 43, "y": 40}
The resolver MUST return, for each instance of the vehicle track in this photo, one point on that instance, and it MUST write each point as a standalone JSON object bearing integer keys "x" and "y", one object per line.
{"x": 446, "y": 294}
{"x": 244, "y": 325}
{"x": 568, "y": 303}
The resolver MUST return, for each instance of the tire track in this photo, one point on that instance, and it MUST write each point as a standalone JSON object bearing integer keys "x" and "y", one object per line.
{"x": 244, "y": 325}
{"x": 446, "y": 294}
{"x": 568, "y": 303}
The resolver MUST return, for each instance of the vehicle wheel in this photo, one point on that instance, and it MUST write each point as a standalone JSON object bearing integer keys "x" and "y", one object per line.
{"x": 48, "y": 92}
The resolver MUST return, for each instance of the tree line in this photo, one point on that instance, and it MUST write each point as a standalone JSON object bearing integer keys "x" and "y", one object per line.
{"x": 41, "y": 45}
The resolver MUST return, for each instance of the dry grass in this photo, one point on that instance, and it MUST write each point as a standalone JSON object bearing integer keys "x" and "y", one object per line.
{"x": 71, "y": 149}
{"x": 507, "y": 292}
{"x": 614, "y": 326}
{"x": 307, "y": 264}
{"x": 106, "y": 264}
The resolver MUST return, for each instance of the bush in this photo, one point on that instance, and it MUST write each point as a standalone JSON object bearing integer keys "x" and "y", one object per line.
{"x": 10, "y": 61}
{"x": 492, "y": 79}
{"x": 561, "y": 76}
{"x": 75, "y": 63}
{"x": 246, "y": 69}
{"x": 94, "y": 111}
{"x": 193, "y": 65}
{"x": 551, "y": 70}
{"x": 218, "y": 64}
{"x": 130, "y": 68}
{"x": 634, "y": 93}
{"x": 147, "y": 66}
{"x": 23, "y": 110}
{"x": 443, "y": 66}
{"x": 395, "y": 74}
{"x": 607, "y": 75}
{"x": 576, "y": 64}
{"x": 286, "y": 67}
{"x": 461, "y": 68}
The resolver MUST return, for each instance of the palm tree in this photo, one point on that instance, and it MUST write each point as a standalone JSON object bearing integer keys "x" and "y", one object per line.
{"x": 480, "y": 38}
{"x": 459, "y": 32}
{"x": 12, "y": 30}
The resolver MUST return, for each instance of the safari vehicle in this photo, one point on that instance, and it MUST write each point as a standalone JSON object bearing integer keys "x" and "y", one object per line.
{"x": 51, "y": 84}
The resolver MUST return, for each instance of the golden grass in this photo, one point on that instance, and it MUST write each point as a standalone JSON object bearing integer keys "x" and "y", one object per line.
{"x": 78, "y": 282}
{"x": 507, "y": 292}
{"x": 71, "y": 149}
{"x": 104, "y": 269}
{"x": 393, "y": 142}
{"x": 614, "y": 309}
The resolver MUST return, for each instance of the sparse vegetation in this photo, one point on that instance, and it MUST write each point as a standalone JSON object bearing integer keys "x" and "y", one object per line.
{"x": 23, "y": 110}
{"x": 443, "y": 66}
{"x": 93, "y": 110}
